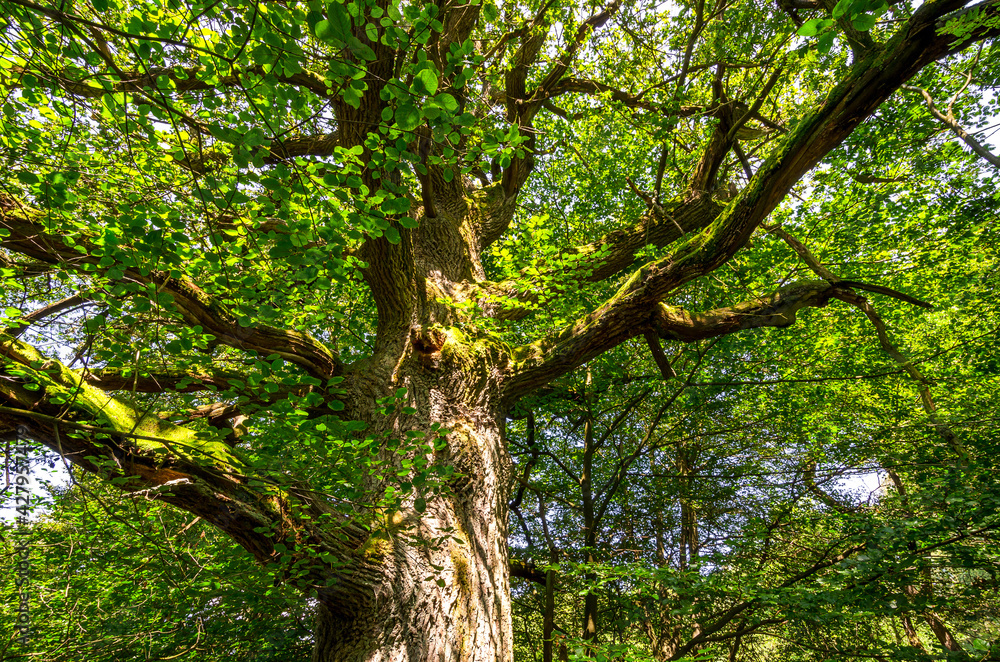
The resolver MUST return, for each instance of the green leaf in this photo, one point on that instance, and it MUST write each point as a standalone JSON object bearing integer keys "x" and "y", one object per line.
{"x": 337, "y": 26}
{"x": 447, "y": 102}
{"x": 825, "y": 42}
{"x": 408, "y": 116}
{"x": 391, "y": 235}
{"x": 814, "y": 26}
{"x": 425, "y": 81}
{"x": 865, "y": 22}
{"x": 841, "y": 8}
{"x": 398, "y": 205}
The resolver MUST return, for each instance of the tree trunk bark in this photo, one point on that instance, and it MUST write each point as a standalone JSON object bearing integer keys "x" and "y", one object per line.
{"x": 443, "y": 590}
{"x": 444, "y": 593}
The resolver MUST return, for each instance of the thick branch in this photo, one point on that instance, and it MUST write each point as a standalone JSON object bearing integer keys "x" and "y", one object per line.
{"x": 730, "y": 614}
{"x": 391, "y": 278}
{"x": 174, "y": 464}
{"x": 194, "y": 305}
{"x": 865, "y": 86}
{"x": 775, "y": 310}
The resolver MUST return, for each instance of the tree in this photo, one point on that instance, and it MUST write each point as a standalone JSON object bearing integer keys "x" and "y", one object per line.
{"x": 784, "y": 564}
{"x": 285, "y": 245}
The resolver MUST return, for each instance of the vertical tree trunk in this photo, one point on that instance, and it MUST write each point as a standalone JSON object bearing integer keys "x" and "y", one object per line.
{"x": 442, "y": 590}
{"x": 590, "y": 529}
{"x": 548, "y": 619}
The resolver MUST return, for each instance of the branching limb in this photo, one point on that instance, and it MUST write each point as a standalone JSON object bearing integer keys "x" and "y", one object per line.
{"x": 515, "y": 80}
{"x": 809, "y": 477}
{"x": 158, "y": 382}
{"x": 602, "y": 259}
{"x": 323, "y": 144}
{"x": 950, "y": 121}
{"x": 174, "y": 464}
{"x": 724, "y": 619}
{"x": 635, "y": 307}
{"x": 817, "y": 268}
{"x": 860, "y": 42}
{"x": 718, "y": 146}
{"x": 754, "y": 110}
{"x": 527, "y": 570}
{"x": 619, "y": 320}
{"x": 844, "y": 293}
{"x": 56, "y": 308}
{"x": 521, "y": 105}
{"x": 565, "y": 59}
{"x": 926, "y": 400}
{"x": 661, "y": 360}
{"x": 194, "y": 305}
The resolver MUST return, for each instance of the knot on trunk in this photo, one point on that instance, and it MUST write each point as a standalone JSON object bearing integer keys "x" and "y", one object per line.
{"x": 428, "y": 343}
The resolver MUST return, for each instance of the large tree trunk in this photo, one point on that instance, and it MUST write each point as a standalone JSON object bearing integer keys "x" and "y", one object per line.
{"x": 443, "y": 593}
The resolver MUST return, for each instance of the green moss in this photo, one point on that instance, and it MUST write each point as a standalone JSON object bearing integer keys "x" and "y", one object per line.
{"x": 66, "y": 385}
{"x": 376, "y": 547}
{"x": 471, "y": 350}
{"x": 461, "y": 562}
{"x": 379, "y": 543}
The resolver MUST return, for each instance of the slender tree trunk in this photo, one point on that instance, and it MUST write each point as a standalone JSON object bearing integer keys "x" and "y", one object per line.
{"x": 590, "y": 529}
{"x": 549, "y": 617}
{"x": 548, "y": 621}
{"x": 911, "y": 634}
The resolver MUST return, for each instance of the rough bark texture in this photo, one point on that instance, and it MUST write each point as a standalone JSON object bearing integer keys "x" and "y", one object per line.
{"x": 443, "y": 590}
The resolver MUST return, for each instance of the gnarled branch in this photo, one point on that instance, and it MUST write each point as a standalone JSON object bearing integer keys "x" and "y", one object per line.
{"x": 194, "y": 304}
{"x": 949, "y": 121}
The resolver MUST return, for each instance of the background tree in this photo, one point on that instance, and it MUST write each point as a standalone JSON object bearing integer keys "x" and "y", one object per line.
{"x": 118, "y": 577}
{"x": 296, "y": 281}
